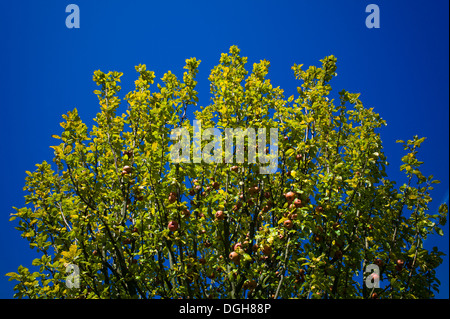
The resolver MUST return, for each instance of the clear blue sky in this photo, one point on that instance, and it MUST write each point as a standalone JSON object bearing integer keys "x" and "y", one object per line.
{"x": 46, "y": 69}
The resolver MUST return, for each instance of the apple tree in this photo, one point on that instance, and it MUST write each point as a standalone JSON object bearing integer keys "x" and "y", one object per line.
{"x": 135, "y": 224}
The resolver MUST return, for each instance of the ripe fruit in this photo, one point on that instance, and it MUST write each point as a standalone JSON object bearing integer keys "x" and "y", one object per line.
{"x": 215, "y": 185}
{"x": 290, "y": 196}
{"x": 298, "y": 203}
{"x": 379, "y": 262}
{"x": 298, "y": 157}
{"x": 220, "y": 215}
{"x": 374, "y": 295}
{"x": 172, "y": 197}
{"x": 374, "y": 277}
{"x": 173, "y": 225}
{"x": 186, "y": 212}
{"x": 399, "y": 265}
{"x": 234, "y": 256}
{"x": 236, "y": 246}
{"x": 129, "y": 153}
{"x": 288, "y": 224}
{"x": 319, "y": 209}
{"x": 234, "y": 168}
{"x": 126, "y": 169}
{"x": 95, "y": 252}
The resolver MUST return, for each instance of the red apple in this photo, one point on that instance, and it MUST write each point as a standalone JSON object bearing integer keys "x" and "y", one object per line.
{"x": 234, "y": 256}
{"x": 298, "y": 203}
{"x": 374, "y": 276}
{"x": 290, "y": 196}
{"x": 173, "y": 225}
{"x": 379, "y": 262}
{"x": 186, "y": 212}
{"x": 288, "y": 224}
{"x": 220, "y": 215}
{"x": 173, "y": 197}
{"x": 127, "y": 169}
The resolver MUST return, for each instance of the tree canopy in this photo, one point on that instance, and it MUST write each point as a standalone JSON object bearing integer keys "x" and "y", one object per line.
{"x": 138, "y": 225}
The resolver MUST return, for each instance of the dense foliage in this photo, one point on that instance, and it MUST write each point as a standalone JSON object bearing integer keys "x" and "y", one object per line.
{"x": 140, "y": 226}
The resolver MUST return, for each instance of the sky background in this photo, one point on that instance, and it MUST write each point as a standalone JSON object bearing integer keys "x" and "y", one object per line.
{"x": 400, "y": 69}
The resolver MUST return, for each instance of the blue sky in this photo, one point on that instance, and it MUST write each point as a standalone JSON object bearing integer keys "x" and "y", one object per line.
{"x": 400, "y": 69}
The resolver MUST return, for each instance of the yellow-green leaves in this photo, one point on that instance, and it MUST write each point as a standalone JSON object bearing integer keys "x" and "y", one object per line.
{"x": 108, "y": 204}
